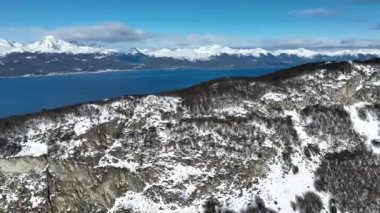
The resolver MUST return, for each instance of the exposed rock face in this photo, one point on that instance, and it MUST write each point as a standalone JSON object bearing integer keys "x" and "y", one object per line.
{"x": 304, "y": 139}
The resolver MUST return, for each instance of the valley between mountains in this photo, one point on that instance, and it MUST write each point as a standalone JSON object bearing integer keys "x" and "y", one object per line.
{"x": 305, "y": 139}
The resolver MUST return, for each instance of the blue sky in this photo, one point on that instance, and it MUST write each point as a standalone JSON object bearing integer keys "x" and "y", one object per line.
{"x": 269, "y": 23}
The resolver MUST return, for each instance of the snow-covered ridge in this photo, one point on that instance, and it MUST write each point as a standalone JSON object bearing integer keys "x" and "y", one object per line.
{"x": 49, "y": 44}
{"x": 296, "y": 145}
{"x": 207, "y": 52}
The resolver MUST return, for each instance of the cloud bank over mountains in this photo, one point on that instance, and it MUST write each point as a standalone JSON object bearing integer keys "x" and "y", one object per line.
{"x": 120, "y": 36}
{"x": 107, "y": 32}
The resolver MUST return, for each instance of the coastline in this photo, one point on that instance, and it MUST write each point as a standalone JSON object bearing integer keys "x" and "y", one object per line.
{"x": 134, "y": 70}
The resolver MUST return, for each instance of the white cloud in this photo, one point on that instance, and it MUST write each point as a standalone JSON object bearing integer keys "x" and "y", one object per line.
{"x": 369, "y": 43}
{"x": 316, "y": 43}
{"x": 107, "y": 32}
{"x": 120, "y": 36}
{"x": 316, "y": 12}
{"x": 186, "y": 40}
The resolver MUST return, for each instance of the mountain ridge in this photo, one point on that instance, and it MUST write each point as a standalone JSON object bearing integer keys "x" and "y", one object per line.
{"x": 49, "y": 44}
{"x": 52, "y": 56}
{"x": 208, "y": 52}
{"x": 305, "y": 143}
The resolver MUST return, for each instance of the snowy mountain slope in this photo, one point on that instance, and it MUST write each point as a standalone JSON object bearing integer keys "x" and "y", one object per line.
{"x": 48, "y": 45}
{"x": 304, "y": 139}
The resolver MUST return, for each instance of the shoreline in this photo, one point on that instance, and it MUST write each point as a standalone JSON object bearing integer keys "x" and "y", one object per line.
{"x": 136, "y": 70}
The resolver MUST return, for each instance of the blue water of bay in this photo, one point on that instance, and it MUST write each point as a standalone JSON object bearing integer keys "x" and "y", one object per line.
{"x": 22, "y": 95}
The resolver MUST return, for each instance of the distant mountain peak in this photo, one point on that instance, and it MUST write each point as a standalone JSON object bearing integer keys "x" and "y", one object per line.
{"x": 210, "y": 51}
{"x": 134, "y": 51}
{"x": 49, "y": 44}
{"x": 49, "y": 39}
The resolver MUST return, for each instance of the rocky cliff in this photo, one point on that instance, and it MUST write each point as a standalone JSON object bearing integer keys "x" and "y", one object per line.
{"x": 300, "y": 140}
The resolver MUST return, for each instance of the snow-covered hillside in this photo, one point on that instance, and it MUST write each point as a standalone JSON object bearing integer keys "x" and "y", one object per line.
{"x": 303, "y": 140}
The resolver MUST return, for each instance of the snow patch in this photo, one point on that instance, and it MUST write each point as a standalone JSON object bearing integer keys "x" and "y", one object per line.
{"x": 33, "y": 148}
{"x": 368, "y": 127}
{"x": 238, "y": 111}
{"x": 283, "y": 188}
{"x": 111, "y": 161}
{"x": 139, "y": 203}
{"x": 36, "y": 201}
{"x": 273, "y": 96}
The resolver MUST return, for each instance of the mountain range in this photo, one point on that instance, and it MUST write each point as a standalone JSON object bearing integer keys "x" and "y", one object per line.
{"x": 51, "y": 56}
{"x": 304, "y": 139}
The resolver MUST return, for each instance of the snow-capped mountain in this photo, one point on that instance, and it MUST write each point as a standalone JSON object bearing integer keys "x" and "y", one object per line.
{"x": 208, "y": 52}
{"x": 51, "y": 45}
{"x": 48, "y": 45}
{"x": 306, "y": 139}
{"x": 7, "y": 47}
{"x": 51, "y": 55}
